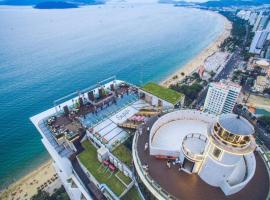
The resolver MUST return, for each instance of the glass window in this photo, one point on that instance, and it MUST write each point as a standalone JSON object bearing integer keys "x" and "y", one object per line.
{"x": 216, "y": 152}
{"x": 246, "y": 139}
{"x": 216, "y": 128}
{"x": 236, "y": 139}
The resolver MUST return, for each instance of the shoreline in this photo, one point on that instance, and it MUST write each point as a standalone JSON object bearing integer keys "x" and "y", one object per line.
{"x": 46, "y": 168}
{"x": 197, "y": 61}
{"x": 26, "y": 187}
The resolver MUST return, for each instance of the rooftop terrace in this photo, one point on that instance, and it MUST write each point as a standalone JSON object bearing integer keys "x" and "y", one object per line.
{"x": 93, "y": 106}
{"x": 166, "y": 94}
{"x": 185, "y": 186}
{"x": 94, "y": 118}
{"x": 116, "y": 181}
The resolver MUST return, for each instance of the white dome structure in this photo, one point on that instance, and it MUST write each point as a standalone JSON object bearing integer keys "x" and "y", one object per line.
{"x": 219, "y": 150}
{"x": 229, "y": 160}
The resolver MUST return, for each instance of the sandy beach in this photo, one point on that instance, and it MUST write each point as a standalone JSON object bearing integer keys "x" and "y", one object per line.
{"x": 43, "y": 177}
{"x": 198, "y": 60}
{"x": 258, "y": 102}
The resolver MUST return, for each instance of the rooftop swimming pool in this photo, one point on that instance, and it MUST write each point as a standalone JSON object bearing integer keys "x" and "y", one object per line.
{"x": 92, "y": 119}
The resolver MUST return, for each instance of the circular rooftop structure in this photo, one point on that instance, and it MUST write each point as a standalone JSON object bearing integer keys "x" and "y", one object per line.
{"x": 193, "y": 146}
{"x": 235, "y": 124}
{"x": 170, "y": 130}
{"x": 168, "y": 134}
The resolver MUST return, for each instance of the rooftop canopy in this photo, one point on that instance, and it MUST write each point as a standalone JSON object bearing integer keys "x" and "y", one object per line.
{"x": 236, "y": 124}
{"x": 166, "y": 94}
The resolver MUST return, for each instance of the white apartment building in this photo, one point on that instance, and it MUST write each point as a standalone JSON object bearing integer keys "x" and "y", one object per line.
{"x": 221, "y": 97}
{"x": 252, "y": 18}
{"x": 261, "y": 83}
{"x": 267, "y": 28}
{"x": 258, "y": 41}
{"x": 257, "y": 22}
{"x": 263, "y": 23}
{"x": 244, "y": 14}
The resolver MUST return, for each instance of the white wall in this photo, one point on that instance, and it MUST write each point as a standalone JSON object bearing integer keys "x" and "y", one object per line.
{"x": 213, "y": 172}
{"x": 166, "y": 104}
{"x": 238, "y": 174}
{"x": 176, "y": 115}
{"x": 229, "y": 172}
{"x": 251, "y": 167}
{"x": 154, "y": 101}
{"x": 64, "y": 169}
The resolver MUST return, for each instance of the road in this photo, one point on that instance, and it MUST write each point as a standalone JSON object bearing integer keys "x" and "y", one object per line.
{"x": 225, "y": 72}
{"x": 231, "y": 64}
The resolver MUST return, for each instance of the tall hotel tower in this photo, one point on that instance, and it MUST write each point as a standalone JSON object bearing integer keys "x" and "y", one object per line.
{"x": 221, "y": 97}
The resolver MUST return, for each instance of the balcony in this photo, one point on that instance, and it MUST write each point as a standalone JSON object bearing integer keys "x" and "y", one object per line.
{"x": 62, "y": 150}
{"x": 193, "y": 146}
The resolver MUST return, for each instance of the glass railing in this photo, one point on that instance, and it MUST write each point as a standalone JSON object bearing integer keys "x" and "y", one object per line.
{"x": 188, "y": 152}
{"x": 150, "y": 181}
{"x": 250, "y": 145}
{"x": 264, "y": 152}
{"x": 230, "y": 138}
{"x": 62, "y": 150}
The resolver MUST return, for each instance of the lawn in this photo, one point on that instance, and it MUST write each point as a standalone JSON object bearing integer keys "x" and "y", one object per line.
{"x": 123, "y": 154}
{"x": 166, "y": 94}
{"x": 89, "y": 159}
{"x": 124, "y": 178}
{"x": 132, "y": 194}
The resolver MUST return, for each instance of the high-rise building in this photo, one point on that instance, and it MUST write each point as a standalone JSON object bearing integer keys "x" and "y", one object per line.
{"x": 267, "y": 28}
{"x": 267, "y": 54}
{"x": 262, "y": 23}
{"x": 244, "y": 14}
{"x": 221, "y": 97}
{"x": 252, "y": 18}
{"x": 258, "y": 41}
{"x": 247, "y": 15}
{"x": 257, "y": 22}
{"x": 68, "y": 131}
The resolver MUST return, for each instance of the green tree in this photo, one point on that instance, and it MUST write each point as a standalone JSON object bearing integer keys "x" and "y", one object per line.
{"x": 59, "y": 194}
{"x": 266, "y": 91}
{"x": 41, "y": 195}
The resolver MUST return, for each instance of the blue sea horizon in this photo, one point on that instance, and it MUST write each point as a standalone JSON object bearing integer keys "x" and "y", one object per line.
{"x": 47, "y": 54}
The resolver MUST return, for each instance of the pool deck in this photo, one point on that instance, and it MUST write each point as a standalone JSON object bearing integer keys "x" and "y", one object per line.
{"x": 186, "y": 186}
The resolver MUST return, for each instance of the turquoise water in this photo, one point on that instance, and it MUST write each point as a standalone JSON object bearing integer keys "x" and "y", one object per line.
{"x": 46, "y": 54}
{"x": 262, "y": 112}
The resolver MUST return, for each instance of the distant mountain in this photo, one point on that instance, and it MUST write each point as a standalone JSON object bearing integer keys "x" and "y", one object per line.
{"x": 217, "y": 3}
{"x": 226, "y": 3}
{"x": 36, "y": 2}
{"x": 55, "y": 5}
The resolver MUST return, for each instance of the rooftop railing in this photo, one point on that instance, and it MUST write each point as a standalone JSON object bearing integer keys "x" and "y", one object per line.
{"x": 264, "y": 152}
{"x": 71, "y": 95}
{"x": 188, "y": 152}
{"x": 62, "y": 150}
{"x": 262, "y": 148}
{"x": 158, "y": 189}
{"x": 214, "y": 138}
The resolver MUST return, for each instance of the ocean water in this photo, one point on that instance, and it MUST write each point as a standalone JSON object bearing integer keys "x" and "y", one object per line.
{"x": 46, "y": 54}
{"x": 262, "y": 112}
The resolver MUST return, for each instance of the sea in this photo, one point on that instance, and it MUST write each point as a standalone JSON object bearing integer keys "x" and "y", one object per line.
{"x": 47, "y": 54}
